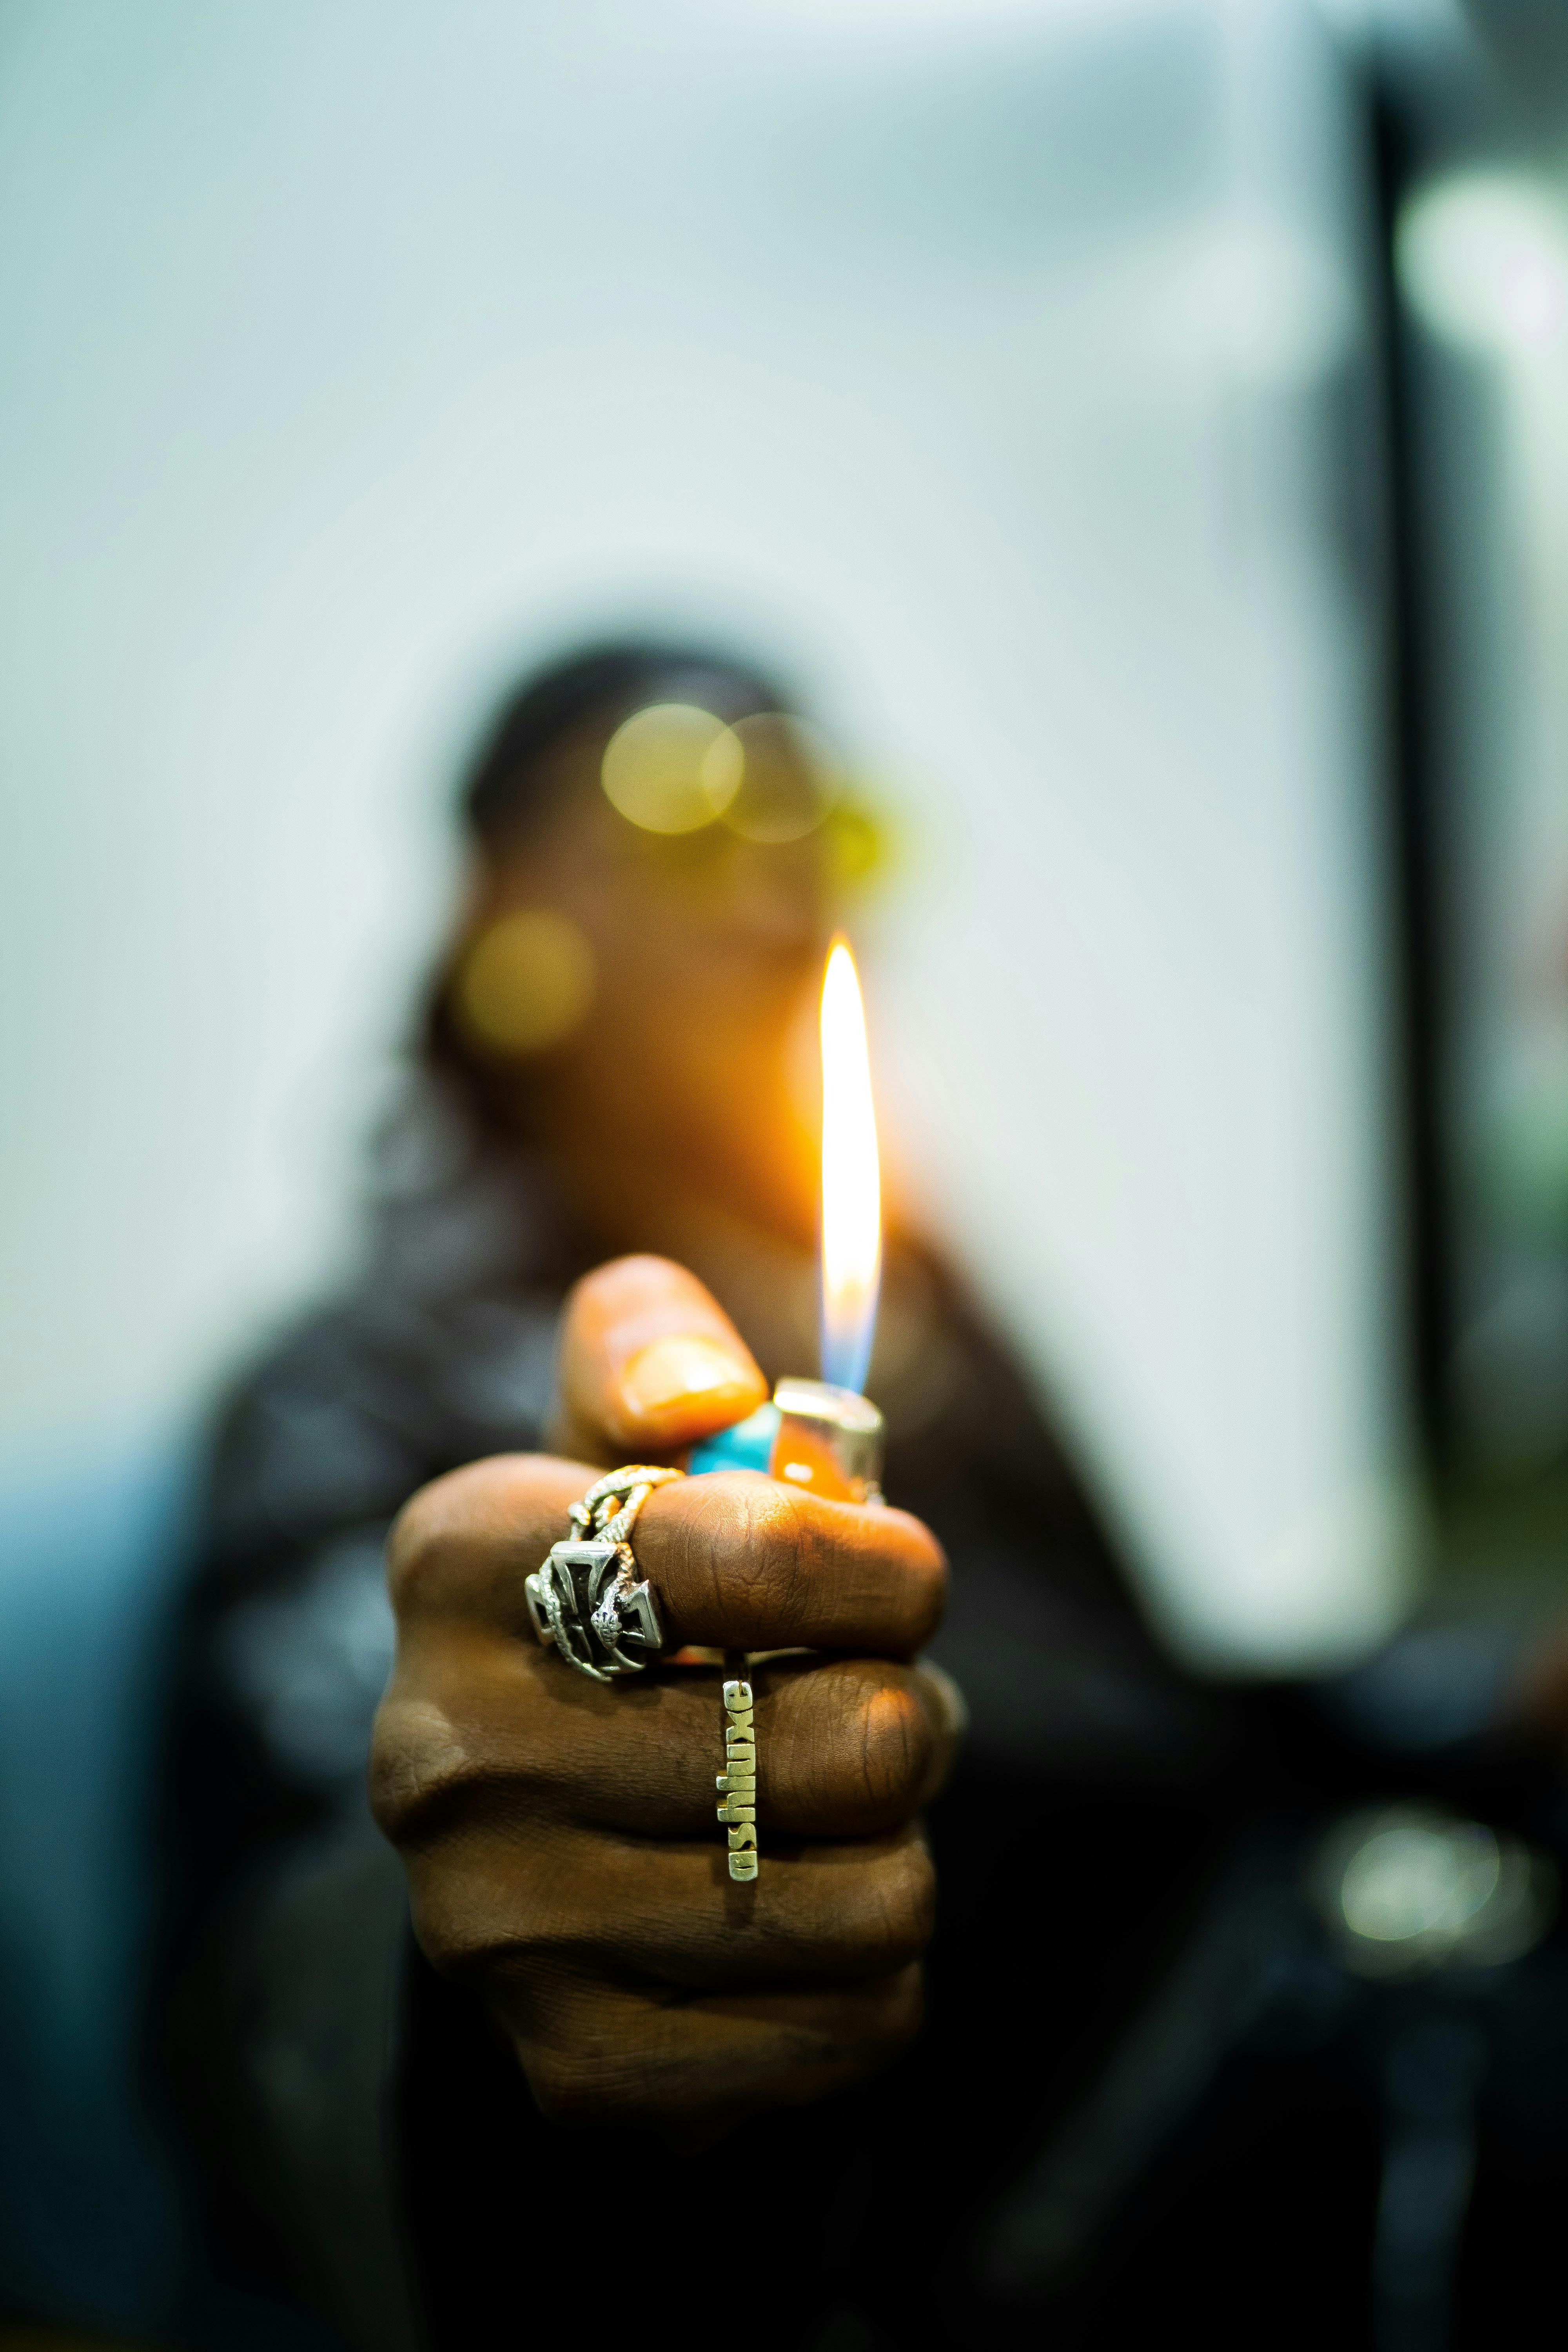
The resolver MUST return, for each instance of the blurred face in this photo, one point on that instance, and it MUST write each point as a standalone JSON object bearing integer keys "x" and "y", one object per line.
{"x": 647, "y": 999}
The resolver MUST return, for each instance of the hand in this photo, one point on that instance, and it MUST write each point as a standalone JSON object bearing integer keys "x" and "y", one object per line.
{"x": 561, "y": 1836}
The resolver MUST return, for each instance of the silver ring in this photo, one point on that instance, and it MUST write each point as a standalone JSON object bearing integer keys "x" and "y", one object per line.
{"x": 587, "y": 1601}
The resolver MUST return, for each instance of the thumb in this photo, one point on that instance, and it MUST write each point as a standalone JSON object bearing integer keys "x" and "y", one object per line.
{"x": 648, "y": 1364}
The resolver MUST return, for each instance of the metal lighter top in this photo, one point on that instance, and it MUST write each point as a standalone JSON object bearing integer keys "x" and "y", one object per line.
{"x": 826, "y": 1439}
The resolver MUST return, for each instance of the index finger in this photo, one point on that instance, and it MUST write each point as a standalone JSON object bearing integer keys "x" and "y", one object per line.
{"x": 746, "y": 1562}
{"x": 735, "y": 1561}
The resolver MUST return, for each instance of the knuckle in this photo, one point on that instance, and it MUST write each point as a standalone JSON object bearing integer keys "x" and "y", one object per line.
{"x": 577, "y": 2086}
{"x": 470, "y": 1928}
{"x": 587, "y": 2052}
{"x": 854, "y": 1750}
{"x": 781, "y": 1548}
{"x": 746, "y": 1551}
{"x": 925, "y": 1568}
{"x": 901, "y": 2010}
{"x": 906, "y": 1903}
{"x": 564, "y": 2088}
{"x": 429, "y": 1776}
{"x": 450, "y": 1540}
{"x": 766, "y": 1552}
{"x": 893, "y": 1750}
{"x": 421, "y": 1546}
{"x": 454, "y": 1944}
{"x": 416, "y": 1765}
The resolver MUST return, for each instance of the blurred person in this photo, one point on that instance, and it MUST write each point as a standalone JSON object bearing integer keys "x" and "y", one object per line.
{"x": 596, "y": 2088}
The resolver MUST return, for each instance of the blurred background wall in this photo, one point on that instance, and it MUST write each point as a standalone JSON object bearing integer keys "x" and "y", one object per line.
{"x": 1002, "y": 369}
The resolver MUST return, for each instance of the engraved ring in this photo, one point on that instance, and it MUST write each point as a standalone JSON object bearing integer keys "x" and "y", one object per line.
{"x": 587, "y": 1601}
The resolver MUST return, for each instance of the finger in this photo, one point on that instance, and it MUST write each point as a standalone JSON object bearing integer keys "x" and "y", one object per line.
{"x": 735, "y": 1561}
{"x": 846, "y": 1748}
{"x": 648, "y": 1364}
{"x": 606, "y": 2056}
{"x": 745, "y": 1562}
{"x": 576, "y": 1901}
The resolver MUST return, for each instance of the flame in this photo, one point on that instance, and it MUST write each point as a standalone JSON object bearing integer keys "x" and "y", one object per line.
{"x": 851, "y": 1179}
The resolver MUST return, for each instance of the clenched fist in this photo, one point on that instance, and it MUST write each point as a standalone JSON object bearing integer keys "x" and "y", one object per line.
{"x": 560, "y": 1839}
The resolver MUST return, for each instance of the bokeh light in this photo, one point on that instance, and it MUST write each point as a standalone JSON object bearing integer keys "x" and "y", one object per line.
{"x": 672, "y": 768}
{"x": 862, "y": 848}
{"x": 1409, "y": 1888}
{"x": 788, "y": 782}
{"x": 1416, "y": 1879}
{"x": 526, "y": 983}
{"x": 1483, "y": 260}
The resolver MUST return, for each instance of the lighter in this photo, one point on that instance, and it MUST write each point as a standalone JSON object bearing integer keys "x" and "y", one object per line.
{"x": 823, "y": 1435}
